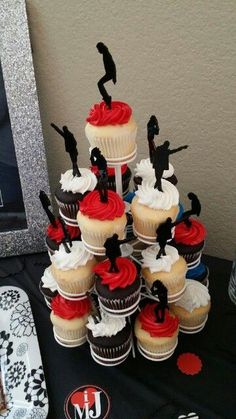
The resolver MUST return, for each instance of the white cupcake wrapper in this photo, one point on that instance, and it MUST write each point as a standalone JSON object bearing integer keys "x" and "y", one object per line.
{"x": 152, "y": 356}
{"x": 194, "y": 329}
{"x": 106, "y": 362}
{"x": 73, "y": 297}
{"x": 69, "y": 221}
{"x": 172, "y": 298}
{"x": 73, "y": 343}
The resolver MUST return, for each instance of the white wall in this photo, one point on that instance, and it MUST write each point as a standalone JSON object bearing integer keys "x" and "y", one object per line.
{"x": 175, "y": 59}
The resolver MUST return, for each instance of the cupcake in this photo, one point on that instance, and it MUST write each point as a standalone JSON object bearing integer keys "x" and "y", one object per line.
{"x": 156, "y": 341}
{"x": 150, "y": 208}
{"x": 109, "y": 339}
{"x": 170, "y": 270}
{"x": 125, "y": 173}
{"x": 99, "y": 220}
{"x": 73, "y": 271}
{"x": 189, "y": 241}
{"x": 55, "y": 235}
{"x": 118, "y": 292}
{"x": 69, "y": 319}
{"x": 113, "y": 130}
{"x": 48, "y": 286}
{"x": 200, "y": 273}
{"x": 144, "y": 171}
{"x": 71, "y": 191}
{"x": 193, "y": 307}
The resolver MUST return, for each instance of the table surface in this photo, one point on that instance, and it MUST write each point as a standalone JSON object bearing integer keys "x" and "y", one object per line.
{"x": 138, "y": 388}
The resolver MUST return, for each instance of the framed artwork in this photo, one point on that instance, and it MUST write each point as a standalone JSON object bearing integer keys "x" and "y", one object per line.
{"x": 23, "y": 169}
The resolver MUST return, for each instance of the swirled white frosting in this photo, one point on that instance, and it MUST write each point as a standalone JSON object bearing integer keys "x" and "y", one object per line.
{"x": 78, "y": 256}
{"x": 162, "y": 264}
{"x": 195, "y": 295}
{"x": 48, "y": 280}
{"x": 108, "y": 326}
{"x": 78, "y": 184}
{"x": 145, "y": 170}
{"x": 153, "y": 198}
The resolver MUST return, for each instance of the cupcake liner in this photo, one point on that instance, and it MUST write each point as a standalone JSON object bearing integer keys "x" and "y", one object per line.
{"x": 155, "y": 356}
{"x": 69, "y": 343}
{"x": 194, "y": 329}
{"x": 114, "y": 147}
{"x": 195, "y": 320}
{"x": 76, "y": 286}
{"x": 69, "y": 221}
{"x": 157, "y": 348}
{"x": 121, "y": 305}
{"x": 95, "y": 239}
{"x": 172, "y": 297}
{"x": 74, "y": 297}
{"x": 68, "y": 210}
{"x": 144, "y": 229}
{"x": 112, "y": 352}
{"x": 191, "y": 258}
{"x": 109, "y": 362}
{"x": 70, "y": 334}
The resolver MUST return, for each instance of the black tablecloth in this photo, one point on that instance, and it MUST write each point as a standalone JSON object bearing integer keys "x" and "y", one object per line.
{"x": 140, "y": 389}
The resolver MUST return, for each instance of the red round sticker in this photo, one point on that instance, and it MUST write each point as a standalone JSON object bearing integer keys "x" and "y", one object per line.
{"x": 87, "y": 402}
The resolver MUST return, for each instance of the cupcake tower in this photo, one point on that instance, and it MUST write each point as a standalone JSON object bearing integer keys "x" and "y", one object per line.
{"x": 84, "y": 243}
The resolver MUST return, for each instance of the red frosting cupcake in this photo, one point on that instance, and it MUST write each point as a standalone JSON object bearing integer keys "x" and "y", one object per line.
{"x": 98, "y": 220}
{"x": 189, "y": 241}
{"x": 69, "y": 319}
{"x": 118, "y": 292}
{"x": 156, "y": 341}
{"x": 113, "y": 130}
{"x": 55, "y": 235}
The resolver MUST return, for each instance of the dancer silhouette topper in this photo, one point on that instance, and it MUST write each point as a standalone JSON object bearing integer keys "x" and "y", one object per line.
{"x": 152, "y": 130}
{"x": 110, "y": 72}
{"x": 70, "y": 146}
{"x": 161, "y": 161}
{"x": 160, "y": 291}
{"x": 195, "y": 210}
{"x": 45, "y": 201}
{"x": 98, "y": 160}
{"x": 112, "y": 246}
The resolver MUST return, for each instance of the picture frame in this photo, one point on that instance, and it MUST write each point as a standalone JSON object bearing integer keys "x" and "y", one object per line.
{"x": 20, "y": 87}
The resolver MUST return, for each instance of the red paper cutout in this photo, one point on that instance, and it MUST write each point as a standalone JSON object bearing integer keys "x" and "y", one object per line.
{"x": 189, "y": 364}
{"x": 80, "y": 397}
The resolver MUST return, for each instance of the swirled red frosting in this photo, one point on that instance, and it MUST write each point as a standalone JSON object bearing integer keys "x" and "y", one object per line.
{"x": 100, "y": 114}
{"x": 192, "y": 235}
{"x": 92, "y": 207}
{"x": 56, "y": 233}
{"x": 68, "y": 309}
{"x": 147, "y": 318}
{"x": 122, "y": 279}
{"x": 110, "y": 170}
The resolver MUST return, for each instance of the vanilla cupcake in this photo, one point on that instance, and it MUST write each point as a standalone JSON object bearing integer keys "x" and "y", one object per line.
{"x": 170, "y": 270}
{"x": 144, "y": 171}
{"x": 156, "y": 341}
{"x": 69, "y": 319}
{"x": 73, "y": 271}
{"x": 113, "y": 130}
{"x": 109, "y": 339}
{"x": 99, "y": 220}
{"x": 71, "y": 191}
{"x": 193, "y": 307}
{"x": 151, "y": 207}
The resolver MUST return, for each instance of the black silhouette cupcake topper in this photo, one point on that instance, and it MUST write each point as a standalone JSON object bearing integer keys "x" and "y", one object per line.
{"x": 67, "y": 243}
{"x": 164, "y": 234}
{"x": 113, "y": 251}
{"x": 45, "y": 201}
{"x": 70, "y": 146}
{"x": 161, "y": 161}
{"x": 97, "y": 159}
{"x": 110, "y": 72}
{"x": 195, "y": 210}
{"x": 159, "y": 290}
{"x": 152, "y": 130}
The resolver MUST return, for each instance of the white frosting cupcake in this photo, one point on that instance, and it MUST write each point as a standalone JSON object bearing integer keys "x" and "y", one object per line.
{"x": 162, "y": 264}
{"x": 155, "y": 199}
{"x": 195, "y": 295}
{"x": 77, "y": 257}
{"x": 78, "y": 184}
{"x": 108, "y": 326}
{"x": 144, "y": 169}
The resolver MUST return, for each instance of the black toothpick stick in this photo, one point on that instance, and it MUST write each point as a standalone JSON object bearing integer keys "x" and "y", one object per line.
{"x": 45, "y": 201}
